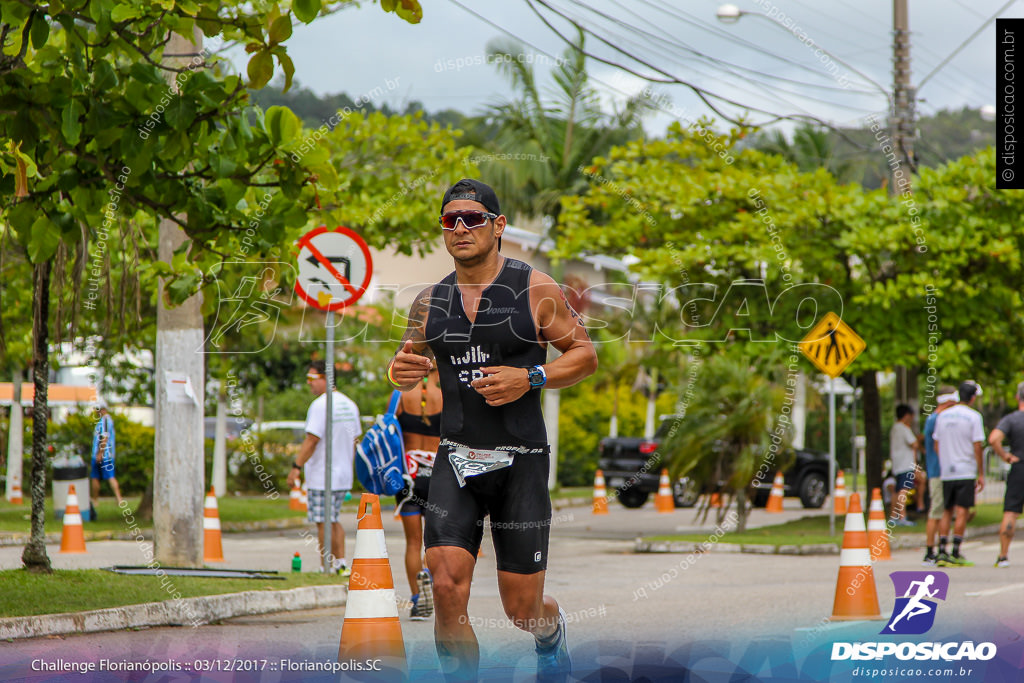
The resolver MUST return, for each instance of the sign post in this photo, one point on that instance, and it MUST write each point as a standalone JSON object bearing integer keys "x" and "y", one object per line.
{"x": 334, "y": 272}
{"x": 832, "y": 345}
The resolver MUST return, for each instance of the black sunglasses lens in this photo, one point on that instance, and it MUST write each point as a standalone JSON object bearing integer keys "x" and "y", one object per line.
{"x": 472, "y": 219}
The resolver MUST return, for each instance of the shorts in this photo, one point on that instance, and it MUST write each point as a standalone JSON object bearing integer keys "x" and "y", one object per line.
{"x": 315, "y": 505}
{"x": 935, "y": 493}
{"x": 958, "y": 493}
{"x": 515, "y": 497}
{"x": 409, "y": 503}
{"x": 905, "y": 480}
{"x": 1014, "y": 499}
{"x": 106, "y": 471}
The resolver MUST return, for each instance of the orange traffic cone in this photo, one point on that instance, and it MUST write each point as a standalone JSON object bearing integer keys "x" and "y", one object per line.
{"x": 72, "y": 539}
{"x": 777, "y": 494}
{"x": 839, "y": 499}
{"x": 213, "y": 551}
{"x": 878, "y": 537}
{"x": 371, "y": 629}
{"x": 716, "y": 500}
{"x": 304, "y": 499}
{"x": 600, "y": 495}
{"x": 16, "y": 494}
{"x": 856, "y": 596}
{"x": 663, "y": 501}
{"x": 295, "y": 498}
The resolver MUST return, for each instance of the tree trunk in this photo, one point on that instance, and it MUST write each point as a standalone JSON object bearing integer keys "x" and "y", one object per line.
{"x": 872, "y": 430}
{"x": 15, "y": 436}
{"x": 145, "y": 510}
{"x": 178, "y": 463}
{"x": 35, "y": 558}
{"x": 741, "y": 511}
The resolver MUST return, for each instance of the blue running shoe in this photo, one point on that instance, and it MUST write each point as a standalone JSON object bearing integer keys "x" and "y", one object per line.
{"x": 553, "y": 662}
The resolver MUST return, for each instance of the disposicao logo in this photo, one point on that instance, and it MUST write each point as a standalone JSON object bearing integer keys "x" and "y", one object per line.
{"x": 914, "y": 612}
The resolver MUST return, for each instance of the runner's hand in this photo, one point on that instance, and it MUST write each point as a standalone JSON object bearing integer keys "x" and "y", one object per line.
{"x": 980, "y": 484}
{"x": 409, "y": 367}
{"x": 502, "y": 384}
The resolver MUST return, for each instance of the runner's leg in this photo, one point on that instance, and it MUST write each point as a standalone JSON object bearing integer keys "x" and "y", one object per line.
{"x": 1006, "y": 532}
{"x": 522, "y": 596}
{"x": 412, "y": 525}
{"x": 452, "y": 569}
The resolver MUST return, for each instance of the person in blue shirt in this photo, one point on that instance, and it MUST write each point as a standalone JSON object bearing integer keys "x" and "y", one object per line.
{"x": 947, "y": 397}
{"x": 104, "y": 447}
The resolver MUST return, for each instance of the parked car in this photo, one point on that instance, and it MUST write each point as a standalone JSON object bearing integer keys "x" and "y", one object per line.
{"x": 234, "y": 427}
{"x": 632, "y": 467}
{"x": 806, "y": 478}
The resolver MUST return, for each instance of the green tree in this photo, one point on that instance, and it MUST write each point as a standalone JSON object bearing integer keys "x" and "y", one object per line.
{"x": 91, "y": 130}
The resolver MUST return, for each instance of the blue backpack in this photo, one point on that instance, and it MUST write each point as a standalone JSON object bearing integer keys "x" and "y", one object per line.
{"x": 380, "y": 465}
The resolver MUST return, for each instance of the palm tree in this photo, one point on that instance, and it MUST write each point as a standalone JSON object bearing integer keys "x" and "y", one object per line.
{"x": 724, "y": 434}
{"x": 553, "y": 137}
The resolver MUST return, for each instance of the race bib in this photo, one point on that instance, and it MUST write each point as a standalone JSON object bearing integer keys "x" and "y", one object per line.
{"x": 419, "y": 463}
{"x": 469, "y": 462}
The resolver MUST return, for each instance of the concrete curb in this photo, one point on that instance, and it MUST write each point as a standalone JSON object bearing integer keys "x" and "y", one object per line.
{"x": 898, "y": 542}
{"x": 181, "y": 612}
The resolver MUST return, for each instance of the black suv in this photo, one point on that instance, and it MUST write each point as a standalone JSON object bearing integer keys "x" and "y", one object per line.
{"x": 632, "y": 466}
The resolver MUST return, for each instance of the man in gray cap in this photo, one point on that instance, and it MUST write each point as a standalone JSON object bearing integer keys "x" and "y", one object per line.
{"x": 1010, "y": 429}
{"x": 959, "y": 435}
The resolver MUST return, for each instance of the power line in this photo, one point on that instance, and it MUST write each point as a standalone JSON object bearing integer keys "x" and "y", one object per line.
{"x": 714, "y": 61}
{"x": 705, "y": 95}
{"x": 962, "y": 45}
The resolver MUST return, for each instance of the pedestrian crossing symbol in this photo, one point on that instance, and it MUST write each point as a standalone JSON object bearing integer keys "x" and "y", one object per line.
{"x": 832, "y": 345}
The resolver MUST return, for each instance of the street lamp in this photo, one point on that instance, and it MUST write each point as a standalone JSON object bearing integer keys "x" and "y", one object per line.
{"x": 729, "y": 14}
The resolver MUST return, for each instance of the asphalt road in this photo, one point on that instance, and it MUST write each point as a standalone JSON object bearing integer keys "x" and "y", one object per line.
{"x": 629, "y": 613}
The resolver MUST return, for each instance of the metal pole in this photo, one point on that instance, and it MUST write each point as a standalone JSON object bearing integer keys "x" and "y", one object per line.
{"x": 832, "y": 452}
{"x": 328, "y": 448}
{"x": 853, "y": 436}
{"x": 903, "y": 95}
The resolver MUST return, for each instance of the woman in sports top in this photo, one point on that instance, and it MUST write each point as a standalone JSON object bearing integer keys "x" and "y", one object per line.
{"x": 419, "y": 413}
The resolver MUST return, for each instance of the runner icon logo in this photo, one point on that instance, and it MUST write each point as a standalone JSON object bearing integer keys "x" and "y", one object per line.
{"x": 914, "y": 611}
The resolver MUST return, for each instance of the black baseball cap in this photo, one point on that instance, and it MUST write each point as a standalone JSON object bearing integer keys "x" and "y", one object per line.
{"x": 968, "y": 389}
{"x": 475, "y": 191}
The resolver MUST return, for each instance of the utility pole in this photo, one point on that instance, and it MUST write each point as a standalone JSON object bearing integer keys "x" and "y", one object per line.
{"x": 903, "y": 122}
{"x": 179, "y": 467}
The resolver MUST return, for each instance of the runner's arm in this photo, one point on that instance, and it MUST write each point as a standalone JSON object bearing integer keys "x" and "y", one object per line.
{"x": 995, "y": 440}
{"x": 563, "y": 327}
{"x": 979, "y": 456}
{"x": 414, "y": 359}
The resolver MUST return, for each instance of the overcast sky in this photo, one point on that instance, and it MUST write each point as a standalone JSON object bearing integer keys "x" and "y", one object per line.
{"x": 359, "y": 50}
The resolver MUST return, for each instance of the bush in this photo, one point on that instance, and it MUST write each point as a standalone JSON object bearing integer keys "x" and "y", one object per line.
{"x": 583, "y": 421}
{"x": 135, "y": 446}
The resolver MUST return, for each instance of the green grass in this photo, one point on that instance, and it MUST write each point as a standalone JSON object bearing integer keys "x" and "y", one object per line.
{"x": 88, "y": 589}
{"x": 811, "y": 530}
{"x": 16, "y": 518}
{"x": 574, "y": 492}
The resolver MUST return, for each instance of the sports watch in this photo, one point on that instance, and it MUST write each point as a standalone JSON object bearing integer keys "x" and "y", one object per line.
{"x": 537, "y": 377}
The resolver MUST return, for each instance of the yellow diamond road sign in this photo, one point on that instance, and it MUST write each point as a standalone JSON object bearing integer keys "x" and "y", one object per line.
{"x": 832, "y": 345}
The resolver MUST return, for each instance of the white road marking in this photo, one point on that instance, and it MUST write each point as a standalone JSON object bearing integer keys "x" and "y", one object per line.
{"x": 994, "y": 591}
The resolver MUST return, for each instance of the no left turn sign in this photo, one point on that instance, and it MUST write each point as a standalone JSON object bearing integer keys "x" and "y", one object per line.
{"x": 334, "y": 268}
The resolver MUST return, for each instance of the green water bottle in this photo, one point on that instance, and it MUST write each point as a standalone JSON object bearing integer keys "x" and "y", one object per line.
{"x": 297, "y": 563}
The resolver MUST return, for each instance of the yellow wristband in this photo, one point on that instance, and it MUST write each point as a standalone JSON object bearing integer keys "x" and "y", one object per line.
{"x": 392, "y": 379}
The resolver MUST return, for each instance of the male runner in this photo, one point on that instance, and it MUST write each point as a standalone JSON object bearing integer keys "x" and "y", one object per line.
{"x": 1010, "y": 428}
{"x": 487, "y": 326}
{"x": 959, "y": 434}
